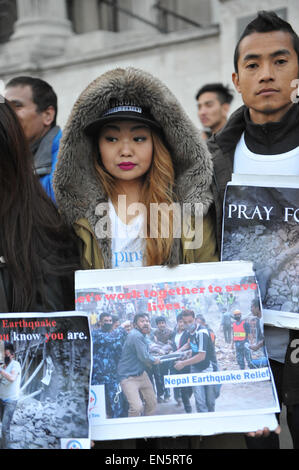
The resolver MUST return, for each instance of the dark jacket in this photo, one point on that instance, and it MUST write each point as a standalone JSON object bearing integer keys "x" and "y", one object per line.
{"x": 266, "y": 139}
{"x": 291, "y": 371}
{"x": 270, "y": 138}
{"x": 183, "y": 340}
{"x": 57, "y": 291}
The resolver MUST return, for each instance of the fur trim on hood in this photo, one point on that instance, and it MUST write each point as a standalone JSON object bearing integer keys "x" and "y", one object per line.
{"x": 76, "y": 186}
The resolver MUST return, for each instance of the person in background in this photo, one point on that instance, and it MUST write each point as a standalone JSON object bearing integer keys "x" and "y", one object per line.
{"x": 226, "y": 323}
{"x": 115, "y": 322}
{"x": 213, "y": 104}
{"x": 35, "y": 103}
{"x": 10, "y": 380}
{"x": 201, "y": 360}
{"x": 180, "y": 338}
{"x": 241, "y": 331}
{"x": 134, "y": 362}
{"x": 162, "y": 335}
{"x": 108, "y": 343}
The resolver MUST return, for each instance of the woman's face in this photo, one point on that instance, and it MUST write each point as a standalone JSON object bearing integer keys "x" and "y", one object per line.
{"x": 126, "y": 149}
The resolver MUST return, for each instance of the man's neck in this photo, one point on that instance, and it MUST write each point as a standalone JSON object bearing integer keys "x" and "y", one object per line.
{"x": 262, "y": 117}
{"x": 273, "y": 137}
{"x": 218, "y": 127}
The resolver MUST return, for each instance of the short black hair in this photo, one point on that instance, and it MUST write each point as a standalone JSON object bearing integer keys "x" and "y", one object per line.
{"x": 224, "y": 93}
{"x": 201, "y": 317}
{"x": 140, "y": 315}
{"x": 266, "y": 22}
{"x": 9, "y": 347}
{"x": 160, "y": 319}
{"x": 188, "y": 313}
{"x": 105, "y": 314}
{"x": 43, "y": 94}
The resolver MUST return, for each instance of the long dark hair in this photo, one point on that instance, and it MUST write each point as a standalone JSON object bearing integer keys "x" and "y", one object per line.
{"x": 157, "y": 188}
{"x": 33, "y": 239}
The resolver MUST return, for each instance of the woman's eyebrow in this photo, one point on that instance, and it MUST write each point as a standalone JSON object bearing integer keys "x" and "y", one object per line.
{"x": 111, "y": 126}
{"x": 140, "y": 126}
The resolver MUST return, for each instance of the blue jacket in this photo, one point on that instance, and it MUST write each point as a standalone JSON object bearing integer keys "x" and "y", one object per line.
{"x": 45, "y": 159}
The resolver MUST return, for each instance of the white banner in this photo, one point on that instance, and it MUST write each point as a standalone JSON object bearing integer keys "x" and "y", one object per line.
{"x": 210, "y": 378}
{"x": 188, "y": 339}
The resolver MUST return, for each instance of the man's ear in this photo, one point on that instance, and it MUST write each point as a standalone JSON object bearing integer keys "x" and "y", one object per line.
{"x": 235, "y": 79}
{"x": 48, "y": 116}
{"x": 225, "y": 108}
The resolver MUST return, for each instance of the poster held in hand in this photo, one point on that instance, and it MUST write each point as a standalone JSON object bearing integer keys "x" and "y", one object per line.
{"x": 171, "y": 356}
{"x": 45, "y": 380}
{"x": 261, "y": 224}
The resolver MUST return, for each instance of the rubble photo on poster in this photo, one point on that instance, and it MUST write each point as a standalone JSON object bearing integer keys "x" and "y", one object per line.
{"x": 230, "y": 379}
{"x": 261, "y": 224}
{"x": 51, "y": 366}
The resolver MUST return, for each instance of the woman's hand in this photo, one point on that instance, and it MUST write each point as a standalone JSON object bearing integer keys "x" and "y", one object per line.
{"x": 264, "y": 432}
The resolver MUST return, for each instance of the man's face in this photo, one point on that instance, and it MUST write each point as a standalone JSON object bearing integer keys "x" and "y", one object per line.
{"x": 180, "y": 325}
{"x": 8, "y": 356}
{"x": 106, "y": 323}
{"x": 143, "y": 324}
{"x": 128, "y": 327}
{"x": 267, "y": 65}
{"x": 35, "y": 124}
{"x": 116, "y": 324}
{"x": 211, "y": 112}
{"x": 189, "y": 323}
{"x": 161, "y": 325}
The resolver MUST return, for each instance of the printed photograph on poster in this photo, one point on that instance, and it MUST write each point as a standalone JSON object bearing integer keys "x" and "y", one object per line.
{"x": 176, "y": 346}
{"x": 45, "y": 373}
{"x": 261, "y": 225}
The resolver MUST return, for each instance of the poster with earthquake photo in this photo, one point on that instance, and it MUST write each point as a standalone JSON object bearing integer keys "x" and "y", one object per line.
{"x": 175, "y": 347}
{"x": 261, "y": 224}
{"x": 45, "y": 377}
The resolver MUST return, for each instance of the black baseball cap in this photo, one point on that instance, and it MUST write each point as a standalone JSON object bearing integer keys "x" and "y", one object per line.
{"x": 122, "y": 111}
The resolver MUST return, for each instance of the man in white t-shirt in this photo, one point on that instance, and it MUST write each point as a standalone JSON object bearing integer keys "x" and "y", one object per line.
{"x": 262, "y": 138}
{"x": 10, "y": 380}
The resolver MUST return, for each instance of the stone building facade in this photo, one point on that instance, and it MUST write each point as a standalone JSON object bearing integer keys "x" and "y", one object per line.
{"x": 186, "y": 43}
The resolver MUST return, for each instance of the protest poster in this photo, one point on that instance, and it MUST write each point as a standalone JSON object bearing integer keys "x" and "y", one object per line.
{"x": 261, "y": 224}
{"x": 50, "y": 362}
{"x": 229, "y": 388}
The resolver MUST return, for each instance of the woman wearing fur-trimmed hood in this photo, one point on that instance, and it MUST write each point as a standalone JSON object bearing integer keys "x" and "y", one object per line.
{"x": 82, "y": 183}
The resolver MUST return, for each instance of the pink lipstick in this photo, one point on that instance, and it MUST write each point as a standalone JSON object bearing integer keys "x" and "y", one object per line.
{"x": 126, "y": 166}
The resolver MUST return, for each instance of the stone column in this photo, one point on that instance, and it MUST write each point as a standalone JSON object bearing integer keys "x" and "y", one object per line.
{"x": 41, "y": 29}
{"x": 143, "y": 9}
{"x": 86, "y": 16}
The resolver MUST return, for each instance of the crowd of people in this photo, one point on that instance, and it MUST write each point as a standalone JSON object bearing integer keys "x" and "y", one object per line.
{"x": 128, "y": 136}
{"x": 132, "y": 364}
{"x": 161, "y": 347}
